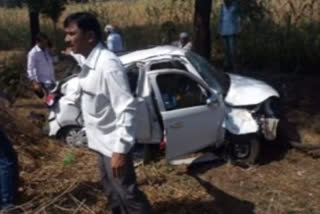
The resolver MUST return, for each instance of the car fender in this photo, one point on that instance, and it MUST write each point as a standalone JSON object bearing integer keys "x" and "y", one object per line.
{"x": 245, "y": 91}
{"x": 240, "y": 121}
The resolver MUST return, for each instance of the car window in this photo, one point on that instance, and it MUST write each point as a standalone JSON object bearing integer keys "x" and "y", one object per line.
{"x": 180, "y": 91}
{"x": 168, "y": 64}
{"x": 215, "y": 79}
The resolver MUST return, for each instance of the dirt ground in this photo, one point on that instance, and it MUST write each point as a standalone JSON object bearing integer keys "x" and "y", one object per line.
{"x": 60, "y": 180}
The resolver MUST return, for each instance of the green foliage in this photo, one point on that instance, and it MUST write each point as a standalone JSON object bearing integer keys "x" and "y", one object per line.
{"x": 35, "y": 5}
{"x": 287, "y": 36}
{"x": 69, "y": 158}
{"x": 253, "y": 11}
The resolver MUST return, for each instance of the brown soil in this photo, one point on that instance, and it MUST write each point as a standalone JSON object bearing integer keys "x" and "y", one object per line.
{"x": 59, "y": 180}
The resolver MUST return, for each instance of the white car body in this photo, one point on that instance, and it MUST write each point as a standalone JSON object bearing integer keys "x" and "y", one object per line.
{"x": 243, "y": 91}
{"x": 65, "y": 113}
{"x": 186, "y": 129}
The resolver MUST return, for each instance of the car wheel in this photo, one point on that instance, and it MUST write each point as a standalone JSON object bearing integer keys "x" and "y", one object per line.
{"x": 245, "y": 150}
{"x": 74, "y": 136}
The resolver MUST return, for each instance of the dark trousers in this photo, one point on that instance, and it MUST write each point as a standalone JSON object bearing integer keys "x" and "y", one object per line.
{"x": 123, "y": 193}
{"x": 230, "y": 45}
{"x": 8, "y": 173}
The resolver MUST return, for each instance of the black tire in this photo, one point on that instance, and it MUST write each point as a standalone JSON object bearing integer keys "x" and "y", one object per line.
{"x": 245, "y": 149}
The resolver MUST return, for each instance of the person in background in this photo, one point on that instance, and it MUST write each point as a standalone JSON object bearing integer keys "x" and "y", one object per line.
{"x": 9, "y": 172}
{"x": 114, "y": 40}
{"x": 229, "y": 28}
{"x": 40, "y": 66}
{"x": 108, "y": 109}
{"x": 183, "y": 42}
{"x": 53, "y": 52}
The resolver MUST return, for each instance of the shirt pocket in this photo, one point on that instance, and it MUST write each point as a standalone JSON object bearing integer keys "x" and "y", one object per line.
{"x": 94, "y": 97}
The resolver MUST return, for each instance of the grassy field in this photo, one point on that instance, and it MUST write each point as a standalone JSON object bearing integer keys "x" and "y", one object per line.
{"x": 274, "y": 32}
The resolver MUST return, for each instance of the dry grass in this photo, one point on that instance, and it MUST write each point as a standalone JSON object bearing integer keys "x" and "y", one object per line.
{"x": 285, "y": 183}
{"x": 133, "y": 16}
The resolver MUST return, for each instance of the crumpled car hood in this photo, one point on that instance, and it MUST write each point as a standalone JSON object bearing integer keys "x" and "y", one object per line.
{"x": 248, "y": 91}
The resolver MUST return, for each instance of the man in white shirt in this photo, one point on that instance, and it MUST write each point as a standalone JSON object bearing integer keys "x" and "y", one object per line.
{"x": 183, "y": 42}
{"x": 114, "y": 41}
{"x": 108, "y": 110}
{"x": 40, "y": 65}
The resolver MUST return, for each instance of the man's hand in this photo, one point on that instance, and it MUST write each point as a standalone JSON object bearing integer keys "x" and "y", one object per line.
{"x": 67, "y": 51}
{"x": 117, "y": 164}
{"x": 37, "y": 89}
{"x": 36, "y": 86}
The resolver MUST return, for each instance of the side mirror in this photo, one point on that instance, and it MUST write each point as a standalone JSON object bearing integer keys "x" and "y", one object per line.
{"x": 213, "y": 99}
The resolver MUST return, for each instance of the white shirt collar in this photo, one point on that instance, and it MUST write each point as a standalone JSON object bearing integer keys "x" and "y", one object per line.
{"x": 92, "y": 59}
{"x": 38, "y": 48}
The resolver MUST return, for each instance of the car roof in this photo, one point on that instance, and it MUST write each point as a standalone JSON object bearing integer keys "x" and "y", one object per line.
{"x": 150, "y": 53}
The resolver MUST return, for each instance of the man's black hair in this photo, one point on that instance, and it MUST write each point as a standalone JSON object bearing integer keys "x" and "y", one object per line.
{"x": 41, "y": 37}
{"x": 85, "y": 22}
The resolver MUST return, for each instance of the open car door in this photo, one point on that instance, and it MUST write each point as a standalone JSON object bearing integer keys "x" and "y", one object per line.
{"x": 192, "y": 114}
{"x": 148, "y": 128}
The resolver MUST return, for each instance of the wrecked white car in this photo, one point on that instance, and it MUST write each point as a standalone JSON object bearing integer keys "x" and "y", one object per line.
{"x": 185, "y": 102}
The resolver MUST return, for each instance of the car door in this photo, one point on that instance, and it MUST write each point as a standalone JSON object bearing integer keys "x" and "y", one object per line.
{"x": 192, "y": 114}
{"x": 148, "y": 128}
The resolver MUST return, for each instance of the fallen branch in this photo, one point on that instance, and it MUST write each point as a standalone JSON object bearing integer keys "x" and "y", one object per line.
{"x": 69, "y": 189}
{"x": 80, "y": 206}
{"x": 84, "y": 205}
{"x": 313, "y": 150}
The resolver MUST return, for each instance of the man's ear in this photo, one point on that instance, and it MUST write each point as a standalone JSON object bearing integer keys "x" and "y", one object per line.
{"x": 91, "y": 37}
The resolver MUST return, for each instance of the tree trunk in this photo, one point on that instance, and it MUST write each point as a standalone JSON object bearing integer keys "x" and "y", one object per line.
{"x": 201, "y": 28}
{"x": 34, "y": 25}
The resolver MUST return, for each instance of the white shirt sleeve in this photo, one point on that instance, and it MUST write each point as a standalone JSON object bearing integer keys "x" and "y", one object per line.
{"x": 80, "y": 59}
{"x": 31, "y": 66}
{"x": 73, "y": 89}
{"x": 124, "y": 106}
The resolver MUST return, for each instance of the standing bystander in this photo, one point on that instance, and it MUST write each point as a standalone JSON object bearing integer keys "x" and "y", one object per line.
{"x": 40, "y": 65}
{"x": 183, "y": 42}
{"x": 108, "y": 110}
{"x": 229, "y": 28}
{"x": 114, "y": 40}
{"x": 9, "y": 175}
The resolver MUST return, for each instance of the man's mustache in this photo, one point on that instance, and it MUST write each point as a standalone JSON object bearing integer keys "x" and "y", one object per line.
{"x": 68, "y": 44}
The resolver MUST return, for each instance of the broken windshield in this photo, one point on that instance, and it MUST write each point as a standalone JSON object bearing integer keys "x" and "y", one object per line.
{"x": 217, "y": 80}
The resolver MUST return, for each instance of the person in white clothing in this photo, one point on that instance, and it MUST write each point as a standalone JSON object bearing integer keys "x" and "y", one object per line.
{"x": 40, "y": 66}
{"x": 229, "y": 28}
{"x": 108, "y": 109}
{"x": 114, "y": 41}
{"x": 183, "y": 42}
